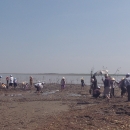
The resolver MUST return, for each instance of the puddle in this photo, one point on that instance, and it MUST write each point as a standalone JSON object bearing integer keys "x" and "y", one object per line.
{"x": 51, "y": 92}
{"x": 13, "y": 95}
{"x": 74, "y": 95}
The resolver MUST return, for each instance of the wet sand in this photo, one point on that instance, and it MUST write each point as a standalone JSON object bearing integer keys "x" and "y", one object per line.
{"x": 70, "y": 109}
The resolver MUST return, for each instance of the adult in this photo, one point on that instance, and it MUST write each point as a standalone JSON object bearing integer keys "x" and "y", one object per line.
{"x": 63, "y": 83}
{"x": 122, "y": 87}
{"x": 3, "y": 85}
{"x": 107, "y": 87}
{"x": 0, "y": 80}
{"x": 127, "y": 84}
{"x": 94, "y": 82}
{"x": 39, "y": 86}
{"x": 82, "y": 82}
{"x": 97, "y": 92}
{"x": 112, "y": 84}
{"x": 11, "y": 80}
{"x": 15, "y": 83}
{"x": 31, "y": 81}
{"x": 7, "y": 80}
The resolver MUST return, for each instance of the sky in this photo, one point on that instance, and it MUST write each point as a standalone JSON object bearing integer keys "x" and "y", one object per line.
{"x": 64, "y": 36}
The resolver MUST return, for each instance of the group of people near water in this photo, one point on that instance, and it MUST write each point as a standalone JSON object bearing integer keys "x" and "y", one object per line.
{"x": 109, "y": 86}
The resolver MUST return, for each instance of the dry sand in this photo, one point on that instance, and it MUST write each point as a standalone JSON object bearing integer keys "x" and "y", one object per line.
{"x": 71, "y": 109}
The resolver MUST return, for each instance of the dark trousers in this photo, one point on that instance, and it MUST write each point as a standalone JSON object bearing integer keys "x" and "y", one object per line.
{"x": 128, "y": 90}
{"x": 123, "y": 91}
{"x": 112, "y": 92}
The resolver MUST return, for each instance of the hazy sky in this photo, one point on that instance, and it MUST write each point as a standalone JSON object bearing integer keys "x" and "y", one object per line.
{"x": 64, "y": 36}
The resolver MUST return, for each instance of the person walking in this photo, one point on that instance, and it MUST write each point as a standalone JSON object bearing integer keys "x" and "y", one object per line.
{"x": 127, "y": 84}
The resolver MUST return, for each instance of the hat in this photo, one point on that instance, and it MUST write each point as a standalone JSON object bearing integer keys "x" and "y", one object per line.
{"x": 92, "y": 79}
{"x": 0, "y": 76}
{"x": 113, "y": 79}
{"x": 82, "y": 78}
{"x": 128, "y": 74}
{"x": 98, "y": 86}
{"x": 63, "y": 78}
{"x": 123, "y": 78}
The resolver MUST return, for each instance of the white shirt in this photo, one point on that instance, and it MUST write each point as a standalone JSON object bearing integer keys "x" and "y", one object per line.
{"x": 11, "y": 79}
{"x": 39, "y": 85}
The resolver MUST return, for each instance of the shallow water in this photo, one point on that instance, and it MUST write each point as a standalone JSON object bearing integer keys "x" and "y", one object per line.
{"x": 74, "y": 95}
{"x": 50, "y": 92}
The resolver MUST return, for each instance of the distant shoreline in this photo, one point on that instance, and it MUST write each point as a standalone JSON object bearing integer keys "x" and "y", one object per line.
{"x": 71, "y": 74}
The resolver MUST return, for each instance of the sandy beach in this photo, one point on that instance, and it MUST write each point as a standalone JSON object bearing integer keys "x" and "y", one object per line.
{"x": 71, "y": 109}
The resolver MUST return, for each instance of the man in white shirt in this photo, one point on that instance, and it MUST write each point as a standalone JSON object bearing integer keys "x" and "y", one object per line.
{"x": 39, "y": 86}
{"x": 11, "y": 80}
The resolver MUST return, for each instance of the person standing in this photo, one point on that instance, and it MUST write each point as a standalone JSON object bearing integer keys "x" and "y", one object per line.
{"x": 0, "y": 80}
{"x": 82, "y": 82}
{"x": 107, "y": 87}
{"x": 113, "y": 84}
{"x": 31, "y": 81}
{"x": 15, "y": 83}
{"x": 7, "y": 81}
{"x": 127, "y": 84}
{"x": 122, "y": 87}
{"x": 94, "y": 82}
{"x": 11, "y": 80}
{"x": 63, "y": 83}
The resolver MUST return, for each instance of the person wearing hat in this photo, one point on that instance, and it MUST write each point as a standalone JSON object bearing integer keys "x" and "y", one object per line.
{"x": 127, "y": 84}
{"x": 112, "y": 84}
{"x": 63, "y": 83}
{"x": 39, "y": 86}
{"x": 82, "y": 82}
{"x": 107, "y": 87}
{"x": 97, "y": 92}
{"x": 122, "y": 87}
{"x": 3, "y": 85}
{"x": 15, "y": 83}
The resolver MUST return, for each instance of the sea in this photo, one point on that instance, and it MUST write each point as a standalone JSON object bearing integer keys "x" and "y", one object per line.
{"x": 56, "y": 78}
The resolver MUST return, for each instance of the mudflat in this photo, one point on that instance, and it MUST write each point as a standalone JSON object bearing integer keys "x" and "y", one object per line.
{"x": 71, "y": 109}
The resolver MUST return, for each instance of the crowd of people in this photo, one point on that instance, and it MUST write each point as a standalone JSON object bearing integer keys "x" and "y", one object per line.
{"x": 109, "y": 86}
{"x": 108, "y": 82}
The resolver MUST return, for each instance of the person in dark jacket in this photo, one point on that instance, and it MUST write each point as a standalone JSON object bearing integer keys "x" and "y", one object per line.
{"x": 122, "y": 87}
{"x": 97, "y": 92}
